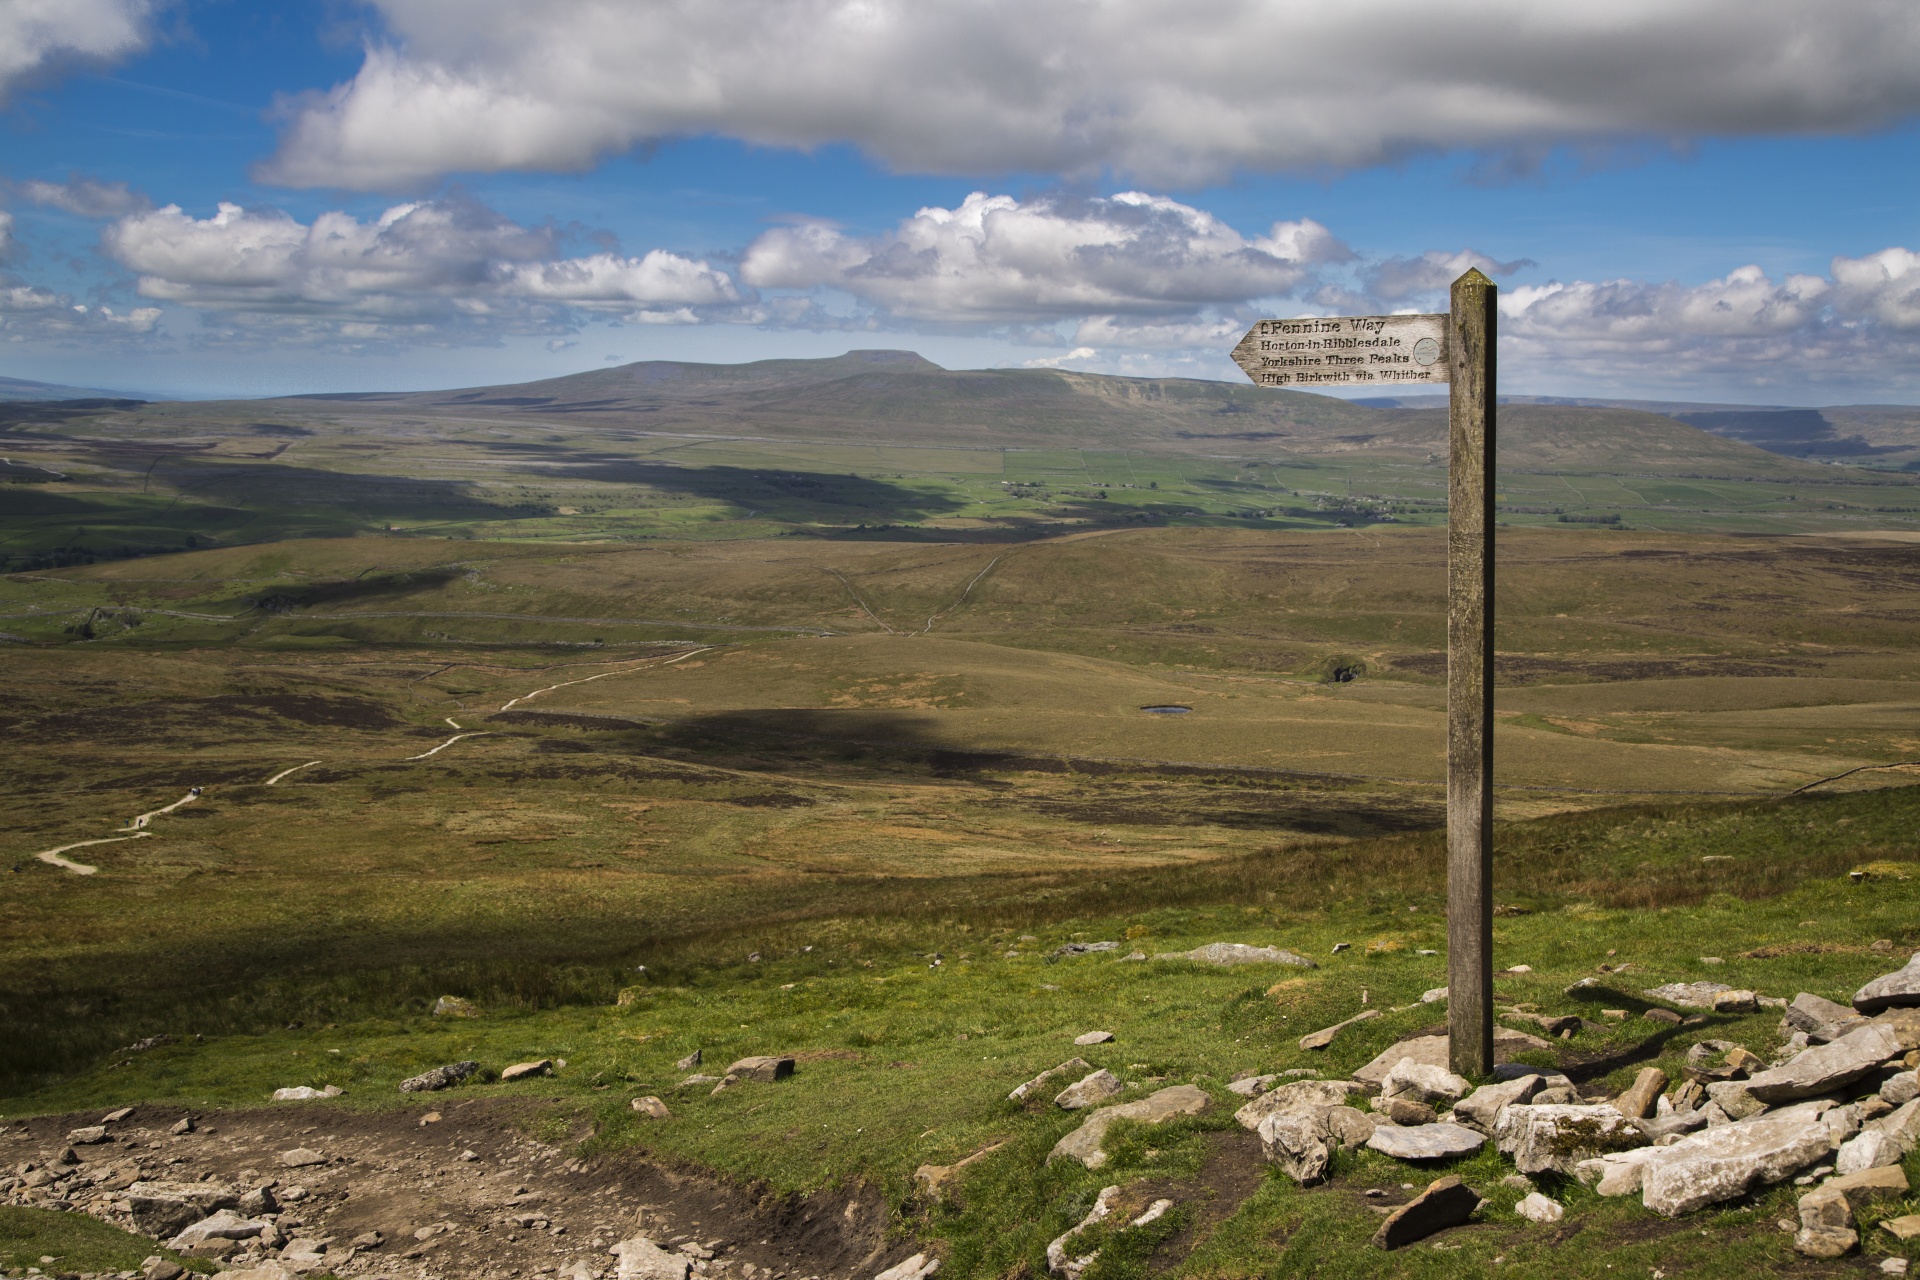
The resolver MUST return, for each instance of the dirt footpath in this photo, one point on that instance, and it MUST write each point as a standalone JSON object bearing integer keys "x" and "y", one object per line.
{"x": 465, "y": 1196}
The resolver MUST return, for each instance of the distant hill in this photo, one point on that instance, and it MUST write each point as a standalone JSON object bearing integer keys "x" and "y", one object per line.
{"x": 1882, "y": 435}
{"x": 899, "y": 397}
{"x": 14, "y": 389}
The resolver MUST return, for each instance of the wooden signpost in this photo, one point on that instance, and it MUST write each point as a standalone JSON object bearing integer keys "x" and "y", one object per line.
{"x": 1456, "y": 349}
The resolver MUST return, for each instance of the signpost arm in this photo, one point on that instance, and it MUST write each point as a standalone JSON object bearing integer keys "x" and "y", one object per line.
{"x": 1470, "y": 510}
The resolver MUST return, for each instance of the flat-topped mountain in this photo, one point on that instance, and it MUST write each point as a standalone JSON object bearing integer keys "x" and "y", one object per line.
{"x": 899, "y": 397}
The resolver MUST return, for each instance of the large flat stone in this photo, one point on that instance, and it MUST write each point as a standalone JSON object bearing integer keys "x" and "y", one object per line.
{"x": 1440, "y": 1141}
{"x": 1885, "y": 1141}
{"x": 1083, "y": 1144}
{"x": 1238, "y": 953}
{"x": 1322, "y": 1038}
{"x": 1423, "y": 1083}
{"x": 1899, "y": 989}
{"x": 1560, "y": 1136}
{"x": 1088, "y": 1091}
{"x": 642, "y": 1259}
{"x": 1688, "y": 995}
{"x": 1432, "y": 1051}
{"x": 1809, "y": 1012}
{"x": 1727, "y": 1161}
{"x": 1826, "y": 1067}
{"x": 1481, "y": 1109}
{"x": 1445, "y": 1203}
{"x": 161, "y": 1209}
{"x": 1300, "y": 1095}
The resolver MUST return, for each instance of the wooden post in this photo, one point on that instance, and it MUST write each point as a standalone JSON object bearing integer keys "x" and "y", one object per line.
{"x": 1470, "y": 509}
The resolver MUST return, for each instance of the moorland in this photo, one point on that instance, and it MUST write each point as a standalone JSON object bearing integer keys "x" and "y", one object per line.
{"x": 802, "y": 708}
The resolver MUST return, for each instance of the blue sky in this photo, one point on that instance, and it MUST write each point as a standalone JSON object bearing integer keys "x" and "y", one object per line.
{"x": 1709, "y": 200}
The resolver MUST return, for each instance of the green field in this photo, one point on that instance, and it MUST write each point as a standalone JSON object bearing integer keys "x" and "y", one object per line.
{"x": 704, "y": 714}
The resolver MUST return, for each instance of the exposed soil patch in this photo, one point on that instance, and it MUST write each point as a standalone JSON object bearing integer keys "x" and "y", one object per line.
{"x": 491, "y": 1189}
{"x": 1232, "y": 1172}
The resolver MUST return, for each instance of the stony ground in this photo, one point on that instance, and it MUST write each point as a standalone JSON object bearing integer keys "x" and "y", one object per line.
{"x": 465, "y": 1190}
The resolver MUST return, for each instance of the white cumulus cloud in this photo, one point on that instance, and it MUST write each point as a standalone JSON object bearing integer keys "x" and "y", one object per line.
{"x": 38, "y": 36}
{"x": 452, "y": 263}
{"x": 1174, "y": 93}
{"x": 1000, "y": 259}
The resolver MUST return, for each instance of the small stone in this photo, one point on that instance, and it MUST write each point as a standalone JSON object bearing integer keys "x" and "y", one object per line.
{"x": 1407, "y": 1112}
{"x": 1297, "y": 1141}
{"x": 432, "y": 1117}
{"x": 1439, "y": 1141}
{"x": 184, "y": 1125}
{"x": 642, "y": 1259}
{"x": 1324, "y": 1037}
{"x": 1711, "y": 960}
{"x": 652, "y": 1108}
{"x": 1905, "y": 1227}
{"x": 1481, "y": 1109}
{"x": 1826, "y": 1225}
{"x": 918, "y": 1267}
{"x": 301, "y": 1158}
{"x": 1900, "y": 989}
{"x": 1735, "y": 1099}
{"x": 1809, "y": 1012}
{"x": 1251, "y": 1086}
{"x": 765, "y": 1069}
{"x": 1893, "y": 1266}
{"x": 1614, "y": 1015}
{"x": 1667, "y": 1016}
{"x": 1688, "y": 995}
{"x": 1080, "y": 948}
{"x": 1900, "y": 1089}
{"x": 157, "y": 1268}
{"x": 1447, "y": 1202}
{"x": 1537, "y": 1208}
{"x": 455, "y": 1007}
{"x": 439, "y": 1078}
{"x": 689, "y": 1062}
{"x": 1088, "y": 1091}
{"x": 526, "y": 1070}
{"x": 1094, "y": 1037}
{"x": 89, "y": 1136}
{"x": 1070, "y": 1067}
{"x": 1348, "y": 1127}
{"x": 1433, "y": 995}
{"x": 468, "y": 1156}
{"x": 1638, "y": 1102}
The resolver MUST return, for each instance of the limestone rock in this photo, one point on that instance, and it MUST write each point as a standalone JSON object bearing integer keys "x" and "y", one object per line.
{"x": 1726, "y": 1162}
{"x": 1422, "y": 1083}
{"x": 1447, "y": 1202}
{"x": 1535, "y": 1207}
{"x": 1900, "y": 1089}
{"x": 1033, "y": 1086}
{"x": 766, "y": 1069}
{"x": 1869, "y": 1185}
{"x": 1899, "y": 989}
{"x": 1735, "y": 1098}
{"x": 1688, "y": 995}
{"x": 1060, "y": 1261}
{"x": 1905, "y": 1227}
{"x": 642, "y": 1259}
{"x": 1406, "y": 1112}
{"x": 689, "y": 1062}
{"x": 1481, "y": 1109}
{"x": 1426, "y": 1142}
{"x": 1885, "y": 1141}
{"x": 1905, "y": 1025}
{"x": 1322, "y": 1038}
{"x": 161, "y": 1209}
{"x": 455, "y": 1007}
{"x": 1558, "y": 1137}
{"x": 301, "y": 1158}
{"x": 1617, "y": 1173}
{"x": 1638, "y": 1101}
{"x": 918, "y": 1267}
{"x": 1348, "y": 1127}
{"x": 306, "y": 1093}
{"x": 1238, "y": 953}
{"x": 439, "y": 1078}
{"x": 1826, "y": 1225}
{"x": 1300, "y": 1095}
{"x": 222, "y": 1225}
{"x": 1088, "y": 1091}
{"x": 1252, "y": 1086}
{"x": 1809, "y": 1012}
{"x": 1093, "y": 1037}
{"x": 1298, "y": 1142}
{"x": 1826, "y": 1067}
{"x": 526, "y": 1070}
{"x": 1432, "y": 1050}
{"x": 652, "y": 1108}
{"x": 1083, "y": 1144}
{"x": 268, "y": 1270}
{"x": 1433, "y": 995}
{"x": 1085, "y": 948}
